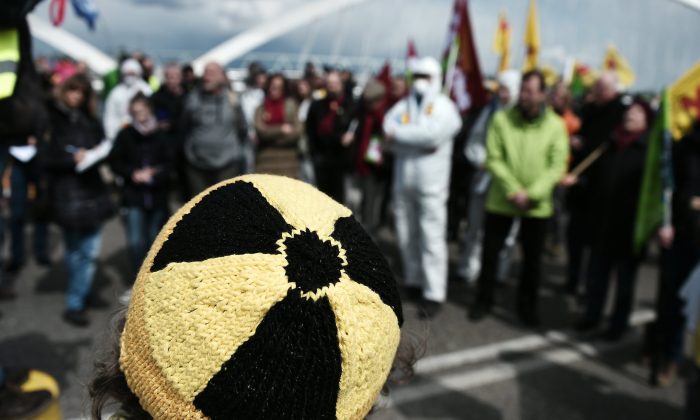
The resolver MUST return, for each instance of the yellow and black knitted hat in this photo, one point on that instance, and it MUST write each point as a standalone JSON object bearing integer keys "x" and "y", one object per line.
{"x": 262, "y": 298}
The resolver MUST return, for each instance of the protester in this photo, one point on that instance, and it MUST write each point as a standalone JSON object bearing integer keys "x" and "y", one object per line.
{"x": 189, "y": 79}
{"x": 302, "y": 95}
{"x": 168, "y": 103}
{"x": 214, "y": 129}
{"x": 475, "y": 151}
{"x": 142, "y": 158}
{"x": 168, "y": 100}
{"x": 277, "y": 129}
{"x": 116, "y": 112}
{"x": 327, "y": 128}
{"x": 371, "y": 160}
{"x": 419, "y": 130}
{"x": 680, "y": 244}
{"x": 527, "y": 149}
{"x": 80, "y": 199}
{"x": 25, "y": 171}
{"x": 599, "y": 119}
{"x": 561, "y": 102}
{"x": 615, "y": 201}
{"x": 251, "y": 99}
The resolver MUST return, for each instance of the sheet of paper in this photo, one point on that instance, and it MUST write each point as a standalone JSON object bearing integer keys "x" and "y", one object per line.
{"x": 23, "y": 153}
{"x": 94, "y": 155}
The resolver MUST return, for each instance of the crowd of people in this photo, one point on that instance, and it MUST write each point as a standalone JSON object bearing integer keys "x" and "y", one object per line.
{"x": 395, "y": 140}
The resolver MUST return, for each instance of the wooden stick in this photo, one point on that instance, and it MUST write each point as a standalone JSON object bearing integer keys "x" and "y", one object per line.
{"x": 588, "y": 161}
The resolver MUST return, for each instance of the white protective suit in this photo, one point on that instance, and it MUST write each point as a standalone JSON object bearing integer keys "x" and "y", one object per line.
{"x": 116, "y": 113}
{"x": 423, "y": 135}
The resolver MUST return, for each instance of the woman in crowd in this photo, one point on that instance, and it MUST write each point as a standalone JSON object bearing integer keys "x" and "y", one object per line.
{"x": 278, "y": 130}
{"x": 80, "y": 199}
{"x": 615, "y": 204}
{"x": 142, "y": 158}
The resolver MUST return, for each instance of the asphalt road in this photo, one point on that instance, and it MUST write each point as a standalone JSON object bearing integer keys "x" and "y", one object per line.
{"x": 495, "y": 369}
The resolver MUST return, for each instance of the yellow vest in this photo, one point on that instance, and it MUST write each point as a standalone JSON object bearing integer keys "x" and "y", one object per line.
{"x": 9, "y": 61}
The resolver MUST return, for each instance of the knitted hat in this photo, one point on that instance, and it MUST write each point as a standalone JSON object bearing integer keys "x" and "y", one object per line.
{"x": 262, "y": 298}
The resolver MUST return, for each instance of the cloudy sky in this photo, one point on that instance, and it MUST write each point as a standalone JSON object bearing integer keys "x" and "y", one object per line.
{"x": 658, "y": 37}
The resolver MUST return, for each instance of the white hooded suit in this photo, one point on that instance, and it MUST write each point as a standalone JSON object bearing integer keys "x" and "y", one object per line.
{"x": 423, "y": 133}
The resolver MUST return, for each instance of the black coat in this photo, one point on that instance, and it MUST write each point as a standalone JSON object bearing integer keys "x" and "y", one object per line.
{"x": 133, "y": 151}
{"x": 686, "y": 176}
{"x": 168, "y": 107}
{"x": 78, "y": 200}
{"x": 326, "y": 149}
{"x": 615, "y": 197}
{"x": 597, "y": 125}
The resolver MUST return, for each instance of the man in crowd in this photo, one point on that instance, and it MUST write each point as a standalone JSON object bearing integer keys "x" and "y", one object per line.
{"x": 116, "y": 114}
{"x": 214, "y": 130}
{"x": 168, "y": 103}
{"x": 527, "y": 150}
{"x": 420, "y": 130}
{"x": 327, "y": 127}
{"x": 599, "y": 119}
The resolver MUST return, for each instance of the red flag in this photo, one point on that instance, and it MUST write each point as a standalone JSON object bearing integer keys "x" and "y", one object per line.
{"x": 463, "y": 78}
{"x": 412, "y": 53}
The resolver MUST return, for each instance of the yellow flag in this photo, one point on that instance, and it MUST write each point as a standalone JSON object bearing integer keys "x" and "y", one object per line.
{"x": 684, "y": 99}
{"x": 532, "y": 38}
{"x": 616, "y": 63}
{"x": 501, "y": 42}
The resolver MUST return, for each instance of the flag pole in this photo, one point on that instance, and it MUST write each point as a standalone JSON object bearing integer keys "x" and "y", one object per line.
{"x": 589, "y": 160}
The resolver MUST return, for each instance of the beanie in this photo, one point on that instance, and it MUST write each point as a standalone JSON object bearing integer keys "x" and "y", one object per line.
{"x": 262, "y": 298}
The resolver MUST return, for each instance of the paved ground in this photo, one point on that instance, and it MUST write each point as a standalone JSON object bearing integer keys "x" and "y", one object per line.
{"x": 491, "y": 370}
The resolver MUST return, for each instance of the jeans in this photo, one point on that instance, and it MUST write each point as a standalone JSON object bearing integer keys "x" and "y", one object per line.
{"x": 82, "y": 250}
{"x": 601, "y": 267}
{"x": 533, "y": 232}
{"x": 22, "y": 174}
{"x": 142, "y": 227}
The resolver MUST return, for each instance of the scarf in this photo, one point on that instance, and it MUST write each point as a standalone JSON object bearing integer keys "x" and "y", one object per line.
{"x": 274, "y": 111}
{"x": 623, "y": 138}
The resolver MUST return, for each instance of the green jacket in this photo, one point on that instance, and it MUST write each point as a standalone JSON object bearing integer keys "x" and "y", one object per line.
{"x": 525, "y": 156}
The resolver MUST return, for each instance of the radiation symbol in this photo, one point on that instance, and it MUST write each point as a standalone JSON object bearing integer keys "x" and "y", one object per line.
{"x": 261, "y": 298}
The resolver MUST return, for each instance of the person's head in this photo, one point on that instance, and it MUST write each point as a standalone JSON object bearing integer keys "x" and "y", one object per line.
{"x": 605, "y": 89}
{"x": 188, "y": 76}
{"x": 302, "y": 90}
{"x": 276, "y": 87}
{"x": 173, "y": 77}
{"x": 560, "y": 98}
{"x": 148, "y": 66}
{"x": 532, "y": 94}
{"x": 76, "y": 93}
{"x": 131, "y": 71}
{"x": 334, "y": 84}
{"x": 399, "y": 87}
{"x": 140, "y": 109}
{"x": 373, "y": 95}
{"x": 257, "y": 75}
{"x": 509, "y": 87}
{"x": 638, "y": 116}
{"x": 280, "y": 306}
{"x": 425, "y": 73}
{"x": 214, "y": 78}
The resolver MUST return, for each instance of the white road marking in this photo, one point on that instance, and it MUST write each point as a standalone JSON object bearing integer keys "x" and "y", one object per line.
{"x": 568, "y": 350}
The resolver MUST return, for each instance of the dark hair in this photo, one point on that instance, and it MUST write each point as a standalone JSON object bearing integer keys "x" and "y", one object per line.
{"x": 81, "y": 83}
{"x": 109, "y": 384}
{"x": 536, "y": 74}
{"x": 285, "y": 84}
{"x": 140, "y": 97}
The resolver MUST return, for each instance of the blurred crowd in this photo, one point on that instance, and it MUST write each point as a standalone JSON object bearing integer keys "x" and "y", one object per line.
{"x": 557, "y": 173}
